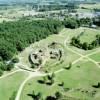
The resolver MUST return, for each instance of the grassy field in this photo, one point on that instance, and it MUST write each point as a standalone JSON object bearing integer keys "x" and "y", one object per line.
{"x": 91, "y": 6}
{"x": 89, "y": 35}
{"x": 79, "y": 80}
{"x": 76, "y": 78}
{"x": 10, "y": 84}
{"x": 60, "y": 38}
{"x": 80, "y": 10}
{"x": 96, "y": 57}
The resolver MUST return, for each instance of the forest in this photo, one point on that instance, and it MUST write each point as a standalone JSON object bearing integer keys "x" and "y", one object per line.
{"x": 15, "y": 36}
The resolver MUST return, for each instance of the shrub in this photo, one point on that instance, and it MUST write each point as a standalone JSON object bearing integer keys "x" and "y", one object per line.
{"x": 15, "y": 60}
{"x": 1, "y": 72}
{"x": 71, "y": 23}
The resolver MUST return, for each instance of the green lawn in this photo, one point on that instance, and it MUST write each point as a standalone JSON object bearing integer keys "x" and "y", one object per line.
{"x": 10, "y": 84}
{"x": 96, "y": 57}
{"x": 76, "y": 78}
{"x": 89, "y": 35}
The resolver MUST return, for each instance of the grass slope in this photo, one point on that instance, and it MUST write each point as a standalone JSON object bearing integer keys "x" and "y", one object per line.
{"x": 10, "y": 84}
{"x": 76, "y": 78}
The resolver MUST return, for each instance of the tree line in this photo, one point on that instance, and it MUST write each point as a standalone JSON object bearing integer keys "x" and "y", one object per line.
{"x": 75, "y": 22}
{"x": 75, "y": 41}
{"x": 15, "y": 36}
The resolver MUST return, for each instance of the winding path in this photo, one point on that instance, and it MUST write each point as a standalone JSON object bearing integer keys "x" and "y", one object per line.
{"x": 31, "y": 75}
{"x": 9, "y": 74}
{"x": 36, "y": 74}
{"x": 84, "y": 56}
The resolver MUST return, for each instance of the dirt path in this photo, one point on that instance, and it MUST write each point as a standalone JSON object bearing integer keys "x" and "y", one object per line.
{"x": 84, "y": 56}
{"x": 9, "y": 74}
{"x": 37, "y": 73}
{"x": 31, "y": 75}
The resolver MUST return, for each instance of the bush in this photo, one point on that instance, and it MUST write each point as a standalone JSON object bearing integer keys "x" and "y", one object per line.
{"x": 1, "y": 72}
{"x": 71, "y": 23}
{"x": 3, "y": 66}
{"x": 13, "y": 96}
{"x": 15, "y": 60}
{"x": 10, "y": 66}
{"x": 33, "y": 66}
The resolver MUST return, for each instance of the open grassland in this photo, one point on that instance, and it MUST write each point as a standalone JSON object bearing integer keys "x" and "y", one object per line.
{"x": 81, "y": 78}
{"x": 91, "y": 6}
{"x": 96, "y": 57}
{"x": 89, "y": 35}
{"x": 10, "y": 84}
{"x": 86, "y": 34}
{"x": 63, "y": 38}
{"x": 80, "y": 10}
{"x": 78, "y": 81}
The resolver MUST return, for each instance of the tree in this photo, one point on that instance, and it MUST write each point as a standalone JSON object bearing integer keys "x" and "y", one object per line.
{"x": 53, "y": 75}
{"x": 13, "y": 96}
{"x": 10, "y": 66}
{"x": 19, "y": 46}
{"x": 58, "y": 95}
{"x": 71, "y": 23}
{"x": 97, "y": 85}
{"x": 39, "y": 96}
{"x": 3, "y": 66}
{"x": 85, "y": 46}
{"x": 51, "y": 81}
{"x": 75, "y": 41}
{"x": 51, "y": 78}
{"x": 33, "y": 66}
{"x": 15, "y": 60}
{"x": 69, "y": 66}
{"x": 44, "y": 79}
{"x": 1, "y": 72}
{"x": 5, "y": 54}
{"x": 85, "y": 22}
{"x": 61, "y": 84}
{"x": 50, "y": 98}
